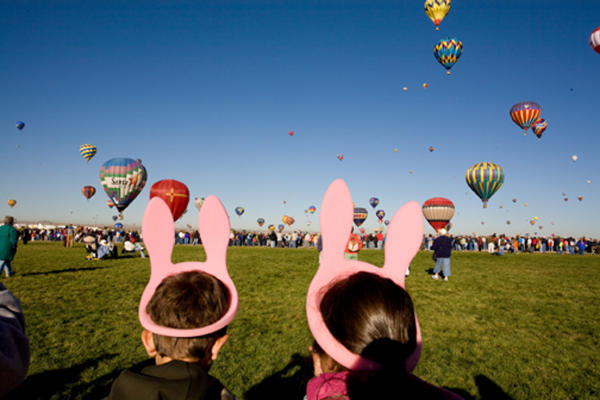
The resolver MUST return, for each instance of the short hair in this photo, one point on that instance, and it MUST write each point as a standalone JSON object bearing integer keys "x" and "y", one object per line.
{"x": 188, "y": 300}
{"x": 371, "y": 316}
{"x": 8, "y": 220}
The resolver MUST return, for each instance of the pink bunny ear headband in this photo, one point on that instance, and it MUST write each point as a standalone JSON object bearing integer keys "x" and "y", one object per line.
{"x": 158, "y": 230}
{"x": 403, "y": 240}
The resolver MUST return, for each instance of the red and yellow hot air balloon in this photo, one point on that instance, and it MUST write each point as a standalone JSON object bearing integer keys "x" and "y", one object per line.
{"x": 438, "y": 211}
{"x": 525, "y": 114}
{"x": 88, "y": 191}
{"x": 174, "y": 193}
{"x": 436, "y": 10}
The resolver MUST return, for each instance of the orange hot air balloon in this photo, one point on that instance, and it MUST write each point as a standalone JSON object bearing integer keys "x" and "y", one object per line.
{"x": 174, "y": 193}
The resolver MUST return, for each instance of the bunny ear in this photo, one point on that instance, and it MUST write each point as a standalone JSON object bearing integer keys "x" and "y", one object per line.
{"x": 403, "y": 240}
{"x": 158, "y": 230}
{"x": 214, "y": 228}
{"x": 336, "y": 220}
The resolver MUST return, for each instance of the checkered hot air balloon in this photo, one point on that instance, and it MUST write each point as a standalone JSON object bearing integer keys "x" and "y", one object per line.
{"x": 87, "y": 151}
{"x": 436, "y": 10}
{"x": 485, "y": 178}
{"x": 447, "y": 52}
{"x": 595, "y": 40}
{"x": 525, "y": 114}
{"x": 438, "y": 211}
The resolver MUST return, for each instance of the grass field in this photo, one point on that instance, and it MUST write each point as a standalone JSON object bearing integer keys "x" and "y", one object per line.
{"x": 520, "y": 326}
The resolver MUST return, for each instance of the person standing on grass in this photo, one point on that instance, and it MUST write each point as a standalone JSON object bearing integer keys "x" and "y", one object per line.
{"x": 8, "y": 245}
{"x": 442, "y": 248}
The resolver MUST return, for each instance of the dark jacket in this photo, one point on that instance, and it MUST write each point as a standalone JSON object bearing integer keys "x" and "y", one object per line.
{"x": 8, "y": 242}
{"x": 174, "y": 380}
{"x": 442, "y": 246}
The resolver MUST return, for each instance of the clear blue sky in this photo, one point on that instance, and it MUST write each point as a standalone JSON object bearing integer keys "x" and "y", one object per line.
{"x": 206, "y": 92}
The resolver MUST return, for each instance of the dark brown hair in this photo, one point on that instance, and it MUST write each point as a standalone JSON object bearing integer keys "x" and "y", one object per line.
{"x": 373, "y": 317}
{"x": 188, "y": 300}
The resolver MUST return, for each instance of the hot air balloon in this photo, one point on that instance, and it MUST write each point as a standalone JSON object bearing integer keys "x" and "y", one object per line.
{"x": 119, "y": 225}
{"x": 431, "y": 149}
{"x": 595, "y": 40}
{"x": 532, "y": 222}
{"x": 114, "y": 217}
{"x": 507, "y": 222}
{"x": 123, "y": 179}
{"x": 447, "y": 52}
{"x": 566, "y": 199}
{"x": 579, "y": 198}
{"x": 88, "y": 191}
{"x": 380, "y": 214}
{"x": 87, "y": 151}
{"x": 535, "y": 218}
{"x": 438, "y": 211}
{"x": 312, "y": 209}
{"x": 260, "y": 221}
{"x": 198, "y": 202}
{"x": 425, "y": 85}
{"x": 271, "y": 228}
{"x": 360, "y": 214}
{"x": 373, "y": 201}
{"x": 110, "y": 204}
{"x": 514, "y": 200}
{"x": 588, "y": 181}
{"x": 574, "y": 157}
{"x": 239, "y": 210}
{"x": 288, "y": 220}
{"x": 539, "y": 126}
{"x": 404, "y": 88}
{"x": 525, "y": 204}
{"x": 291, "y": 133}
{"x": 386, "y": 222}
{"x": 20, "y": 125}
{"x": 525, "y": 114}
{"x": 436, "y": 10}
{"x": 340, "y": 157}
{"x": 395, "y": 150}
{"x": 11, "y": 203}
{"x": 485, "y": 178}
{"x": 174, "y": 193}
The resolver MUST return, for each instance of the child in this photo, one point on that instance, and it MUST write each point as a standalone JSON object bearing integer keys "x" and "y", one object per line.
{"x": 185, "y": 310}
{"x": 367, "y": 338}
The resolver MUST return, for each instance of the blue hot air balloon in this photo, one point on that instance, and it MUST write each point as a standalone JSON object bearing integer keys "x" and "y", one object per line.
{"x": 373, "y": 201}
{"x": 20, "y": 125}
{"x": 239, "y": 210}
{"x": 360, "y": 215}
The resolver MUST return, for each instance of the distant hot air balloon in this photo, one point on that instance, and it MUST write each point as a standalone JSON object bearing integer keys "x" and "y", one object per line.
{"x": 87, "y": 151}
{"x": 11, "y": 203}
{"x": 525, "y": 114}
{"x": 431, "y": 149}
{"x": 595, "y": 40}
{"x": 312, "y": 209}
{"x": 535, "y": 218}
{"x": 386, "y": 222}
{"x": 514, "y": 200}
{"x": 119, "y": 225}
{"x": 539, "y": 126}
{"x": 588, "y": 181}
{"x": 380, "y": 214}
{"x": 271, "y": 228}
{"x": 395, "y": 150}
{"x": 447, "y": 52}
{"x": 485, "y": 178}
{"x": 436, "y": 10}
{"x": 20, "y": 125}
{"x": 340, "y": 156}
{"x": 532, "y": 222}
{"x": 404, "y": 88}
{"x": 360, "y": 214}
{"x": 198, "y": 202}
{"x": 566, "y": 199}
{"x": 373, "y": 201}
{"x": 239, "y": 210}
{"x": 525, "y": 204}
{"x": 123, "y": 179}
{"x": 291, "y": 133}
{"x": 507, "y": 222}
{"x": 290, "y": 221}
{"x": 114, "y": 217}
{"x": 174, "y": 193}
{"x": 88, "y": 191}
{"x": 579, "y": 198}
{"x": 574, "y": 157}
{"x": 438, "y": 211}
{"x": 260, "y": 221}
{"x": 425, "y": 85}
{"x": 110, "y": 203}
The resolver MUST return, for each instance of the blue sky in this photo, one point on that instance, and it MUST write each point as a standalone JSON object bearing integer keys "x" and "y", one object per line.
{"x": 206, "y": 92}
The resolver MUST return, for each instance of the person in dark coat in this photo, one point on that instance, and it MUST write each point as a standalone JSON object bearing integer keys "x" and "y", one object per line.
{"x": 442, "y": 248}
{"x": 8, "y": 245}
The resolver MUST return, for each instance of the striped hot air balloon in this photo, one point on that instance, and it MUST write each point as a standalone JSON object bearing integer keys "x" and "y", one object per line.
{"x": 539, "y": 126}
{"x": 360, "y": 214}
{"x": 436, "y": 10}
{"x": 525, "y": 114}
{"x": 88, "y": 191}
{"x": 123, "y": 179}
{"x": 595, "y": 40}
{"x": 438, "y": 211}
{"x": 87, "y": 151}
{"x": 485, "y": 178}
{"x": 447, "y": 52}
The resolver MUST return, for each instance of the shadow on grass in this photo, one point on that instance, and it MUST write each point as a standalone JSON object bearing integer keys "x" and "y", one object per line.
{"x": 488, "y": 390}
{"x": 49, "y": 384}
{"x": 289, "y": 383}
{"x": 59, "y": 271}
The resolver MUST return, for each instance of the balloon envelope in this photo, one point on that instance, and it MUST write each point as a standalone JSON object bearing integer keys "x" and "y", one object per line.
{"x": 123, "y": 179}
{"x": 260, "y": 221}
{"x": 11, "y": 203}
{"x": 447, "y": 52}
{"x": 174, "y": 193}
{"x": 373, "y": 201}
{"x": 380, "y": 214}
{"x": 595, "y": 40}
{"x": 340, "y": 157}
{"x": 539, "y": 126}
{"x": 119, "y": 225}
{"x": 87, "y": 151}
{"x": 438, "y": 211}
{"x": 88, "y": 191}
{"x": 312, "y": 209}
{"x": 360, "y": 215}
{"x": 525, "y": 114}
{"x": 485, "y": 178}
{"x": 239, "y": 210}
{"x": 436, "y": 10}
{"x": 20, "y": 125}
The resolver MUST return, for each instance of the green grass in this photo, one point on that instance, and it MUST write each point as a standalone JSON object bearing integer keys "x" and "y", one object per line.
{"x": 520, "y": 326}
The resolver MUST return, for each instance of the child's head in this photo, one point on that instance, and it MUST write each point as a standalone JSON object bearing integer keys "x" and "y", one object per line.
{"x": 371, "y": 316}
{"x": 188, "y": 300}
